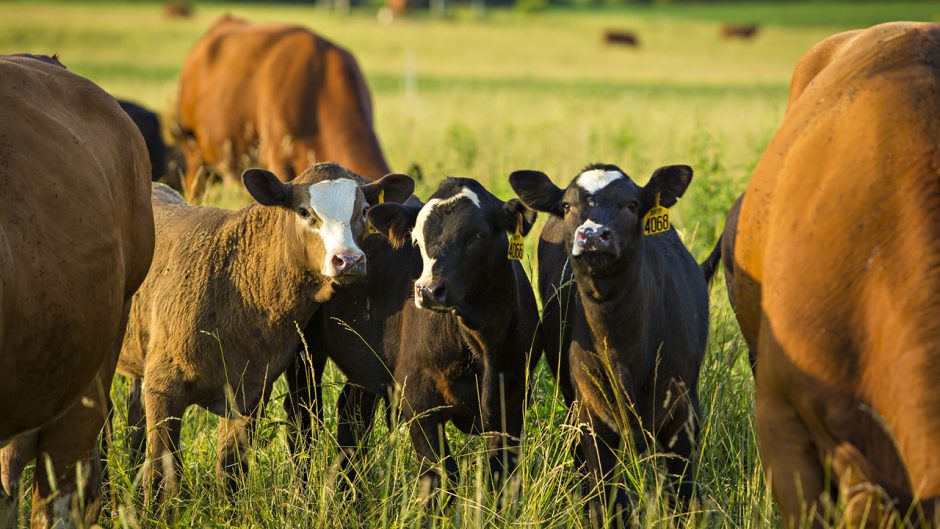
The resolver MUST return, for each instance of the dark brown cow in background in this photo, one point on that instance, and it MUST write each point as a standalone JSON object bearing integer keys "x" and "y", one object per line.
{"x": 837, "y": 281}
{"x": 621, "y": 38}
{"x": 738, "y": 31}
{"x": 76, "y": 240}
{"x": 279, "y": 89}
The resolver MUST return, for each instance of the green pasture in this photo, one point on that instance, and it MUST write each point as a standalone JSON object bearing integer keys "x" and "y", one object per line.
{"x": 480, "y": 95}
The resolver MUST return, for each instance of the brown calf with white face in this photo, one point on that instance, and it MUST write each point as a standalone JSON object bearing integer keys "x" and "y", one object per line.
{"x": 215, "y": 322}
{"x": 76, "y": 240}
{"x": 628, "y": 344}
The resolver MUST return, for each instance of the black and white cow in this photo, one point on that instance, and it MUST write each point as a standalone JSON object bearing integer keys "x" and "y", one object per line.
{"x": 444, "y": 318}
{"x": 628, "y": 343}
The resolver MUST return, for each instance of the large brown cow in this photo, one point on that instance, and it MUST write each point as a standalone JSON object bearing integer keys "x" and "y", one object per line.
{"x": 76, "y": 240}
{"x": 837, "y": 280}
{"x": 281, "y": 89}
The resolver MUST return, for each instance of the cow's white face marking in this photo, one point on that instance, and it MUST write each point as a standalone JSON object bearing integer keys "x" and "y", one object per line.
{"x": 333, "y": 201}
{"x": 596, "y": 179}
{"x": 417, "y": 233}
{"x": 576, "y": 248}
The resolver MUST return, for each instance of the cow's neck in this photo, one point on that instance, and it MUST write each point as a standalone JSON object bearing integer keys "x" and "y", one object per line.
{"x": 492, "y": 299}
{"x": 266, "y": 275}
{"x": 616, "y": 306}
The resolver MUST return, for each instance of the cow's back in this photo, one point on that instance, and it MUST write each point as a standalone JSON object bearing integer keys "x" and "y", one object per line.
{"x": 838, "y": 249}
{"x": 259, "y": 78}
{"x": 76, "y": 235}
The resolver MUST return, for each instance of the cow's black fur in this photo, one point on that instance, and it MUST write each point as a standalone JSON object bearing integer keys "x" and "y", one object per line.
{"x": 628, "y": 342}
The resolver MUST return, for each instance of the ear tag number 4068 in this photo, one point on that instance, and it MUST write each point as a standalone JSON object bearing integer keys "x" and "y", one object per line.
{"x": 656, "y": 219}
{"x": 516, "y": 243}
{"x": 381, "y": 201}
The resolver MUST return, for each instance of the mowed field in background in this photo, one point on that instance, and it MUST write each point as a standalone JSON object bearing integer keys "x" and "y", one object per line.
{"x": 481, "y": 95}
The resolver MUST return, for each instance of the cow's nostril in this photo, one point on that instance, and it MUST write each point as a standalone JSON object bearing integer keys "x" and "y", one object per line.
{"x": 338, "y": 262}
{"x": 357, "y": 258}
{"x": 605, "y": 235}
{"x": 439, "y": 293}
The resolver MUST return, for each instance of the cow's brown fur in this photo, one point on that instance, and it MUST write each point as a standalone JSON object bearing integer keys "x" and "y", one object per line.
{"x": 281, "y": 89}
{"x": 76, "y": 240}
{"x": 216, "y": 322}
{"x": 837, "y": 277}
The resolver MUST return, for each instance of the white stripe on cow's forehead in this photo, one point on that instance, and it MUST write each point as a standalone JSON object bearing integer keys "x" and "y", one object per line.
{"x": 594, "y": 180}
{"x": 333, "y": 199}
{"x": 417, "y": 234}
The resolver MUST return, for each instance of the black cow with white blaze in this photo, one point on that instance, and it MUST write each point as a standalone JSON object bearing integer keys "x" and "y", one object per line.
{"x": 451, "y": 324}
{"x": 627, "y": 339}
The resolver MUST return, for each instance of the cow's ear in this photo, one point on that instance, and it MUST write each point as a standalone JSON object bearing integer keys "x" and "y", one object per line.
{"x": 267, "y": 188}
{"x": 515, "y": 214}
{"x": 393, "y": 187}
{"x": 395, "y": 221}
{"x": 670, "y": 182}
{"x": 537, "y": 192}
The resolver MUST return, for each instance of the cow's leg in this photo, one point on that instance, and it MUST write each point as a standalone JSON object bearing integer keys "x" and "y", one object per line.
{"x": 233, "y": 446}
{"x": 304, "y": 395}
{"x": 422, "y": 408}
{"x": 790, "y": 459}
{"x": 161, "y": 470}
{"x": 355, "y": 415}
{"x": 67, "y": 480}
{"x": 14, "y": 457}
{"x": 136, "y": 422}
{"x": 599, "y": 448}
{"x": 505, "y": 411}
{"x": 677, "y": 436}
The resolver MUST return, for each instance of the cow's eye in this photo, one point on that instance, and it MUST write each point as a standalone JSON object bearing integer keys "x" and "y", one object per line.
{"x": 632, "y": 206}
{"x": 566, "y": 207}
{"x": 304, "y": 213}
{"x": 479, "y": 236}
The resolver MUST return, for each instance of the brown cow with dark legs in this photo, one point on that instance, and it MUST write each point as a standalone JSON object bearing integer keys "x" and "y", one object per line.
{"x": 215, "y": 323}
{"x": 446, "y": 319}
{"x": 76, "y": 240}
{"x": 837, "y": 282}
{"x": 629, "y": 342}
{"x": 282, "y": 90}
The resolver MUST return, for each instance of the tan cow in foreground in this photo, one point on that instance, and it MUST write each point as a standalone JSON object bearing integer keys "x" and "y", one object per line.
{"x": 837, "y": 280}
{"x": 76, "y": 240}
{"x": 294, "y": 96}
{"x": 216, "y": 321}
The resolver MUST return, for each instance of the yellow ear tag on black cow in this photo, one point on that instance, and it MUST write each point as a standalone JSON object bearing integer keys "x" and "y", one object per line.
{"x": 656, "y": 219}
{"x": 381, "y": 201}
{"x": 516, "y": 243}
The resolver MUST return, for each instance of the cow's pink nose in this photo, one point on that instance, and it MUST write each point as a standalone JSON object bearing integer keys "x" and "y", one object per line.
{"x": 348, "y": 262}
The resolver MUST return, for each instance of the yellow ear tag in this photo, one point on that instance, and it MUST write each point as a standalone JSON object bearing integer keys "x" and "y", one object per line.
{"x": 381, "y": 201}
{"x": 656, "y": 219}
{"x": 516, "y": 243}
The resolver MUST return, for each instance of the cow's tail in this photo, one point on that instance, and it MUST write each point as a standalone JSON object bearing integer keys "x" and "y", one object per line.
{"x": 710, "y": 265}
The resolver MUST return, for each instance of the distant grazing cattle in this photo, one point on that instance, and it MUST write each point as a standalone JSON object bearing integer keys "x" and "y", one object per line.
{"x": 149, "y": 125}
{"x": 215, "y": 322}
{"x": 177, "y": 10}
{"x": 739, "y": 31}
{"x": 621, "y": 37}
{"x": 628, "y": 339}
{"x": 76, "y": 240}
{"x": 837, "y": 282}
{"x": 277, "y": 89}
{"x": 445, "y": 318}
